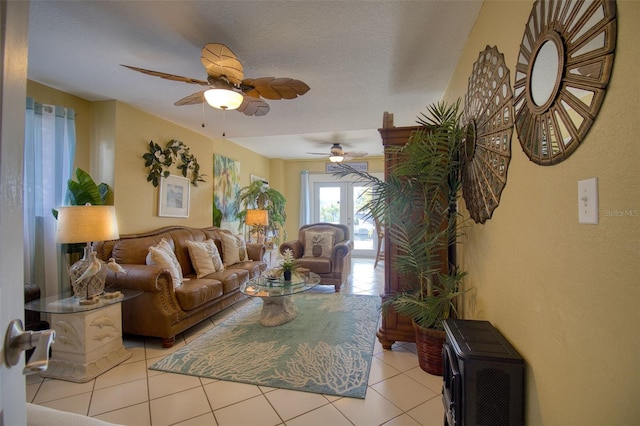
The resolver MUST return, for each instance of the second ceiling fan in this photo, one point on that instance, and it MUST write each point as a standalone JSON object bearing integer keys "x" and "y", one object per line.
{"x": 337, "y": 154}
{"x": 227, "y": 88}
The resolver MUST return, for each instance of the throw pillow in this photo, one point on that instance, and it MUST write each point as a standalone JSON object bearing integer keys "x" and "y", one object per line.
{"x": 204, "y": 257}
{"x": 163, "y": 256}
{"x": 318, "y": 244}
{"x": 234, "y": 249}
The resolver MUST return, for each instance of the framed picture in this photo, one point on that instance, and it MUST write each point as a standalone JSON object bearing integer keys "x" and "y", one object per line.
{"x": 173, "y": 200}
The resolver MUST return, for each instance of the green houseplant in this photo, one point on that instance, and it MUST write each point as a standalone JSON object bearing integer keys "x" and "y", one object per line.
{"x": 417, "y": 205}
{"x": 85, "y": 190}
{"x": 261, "y": 197}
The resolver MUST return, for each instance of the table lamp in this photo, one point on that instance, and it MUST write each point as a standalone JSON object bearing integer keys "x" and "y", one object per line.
{"x": 257, "y": 220}
{"x": 85, "y": 224}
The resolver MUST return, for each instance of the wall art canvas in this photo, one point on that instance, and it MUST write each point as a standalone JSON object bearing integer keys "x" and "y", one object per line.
{"x": 226, "y": 185}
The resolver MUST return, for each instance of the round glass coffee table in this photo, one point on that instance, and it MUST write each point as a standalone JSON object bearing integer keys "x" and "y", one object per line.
{"x": 277, "y": 305}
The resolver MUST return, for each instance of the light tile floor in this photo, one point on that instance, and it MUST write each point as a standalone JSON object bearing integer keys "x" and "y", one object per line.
{"x": 399, "y": 392}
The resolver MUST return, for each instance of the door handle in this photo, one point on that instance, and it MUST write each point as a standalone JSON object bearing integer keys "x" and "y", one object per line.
{"x": 17, "y": 340}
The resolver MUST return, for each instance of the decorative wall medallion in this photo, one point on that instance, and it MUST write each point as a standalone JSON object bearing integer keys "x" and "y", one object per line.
{"x": 564, "y": 66}
{"x": 488, "y": 116}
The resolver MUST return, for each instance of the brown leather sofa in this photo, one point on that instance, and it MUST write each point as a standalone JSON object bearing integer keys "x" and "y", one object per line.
{"x": 162, "y": 311}
{"x": 334, "y": 269}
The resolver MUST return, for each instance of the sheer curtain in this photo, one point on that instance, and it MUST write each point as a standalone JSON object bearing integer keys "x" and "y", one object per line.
{"x": 305, "y": 205}
{"x": 49, "y": 149}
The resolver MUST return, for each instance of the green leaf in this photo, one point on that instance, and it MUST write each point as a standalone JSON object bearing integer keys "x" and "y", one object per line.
{"x": 84, "y": 190}
{"x": 106, "y": 194}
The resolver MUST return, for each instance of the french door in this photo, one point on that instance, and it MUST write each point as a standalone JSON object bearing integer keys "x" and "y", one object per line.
{"x": 339, "y": 201}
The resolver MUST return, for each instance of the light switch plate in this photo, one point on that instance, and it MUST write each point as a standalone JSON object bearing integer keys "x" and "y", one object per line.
{"x": 588, "y": 201}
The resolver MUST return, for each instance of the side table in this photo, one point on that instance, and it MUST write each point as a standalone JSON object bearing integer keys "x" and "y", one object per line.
{"x": 88, "y": 337}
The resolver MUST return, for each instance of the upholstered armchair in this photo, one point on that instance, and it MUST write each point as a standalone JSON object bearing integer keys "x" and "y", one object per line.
{"x": 323, "y": 248}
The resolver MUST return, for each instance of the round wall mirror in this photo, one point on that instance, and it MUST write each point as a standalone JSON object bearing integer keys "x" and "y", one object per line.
{"x": 546, "y": 72}
{"x": 564, "y": 66}
{"x": 488, "y": 117}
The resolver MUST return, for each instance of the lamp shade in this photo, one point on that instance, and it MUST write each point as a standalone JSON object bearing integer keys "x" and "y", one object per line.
{"x": 82, "y": 224}
{"x": 257, "y": 217}
{"x": 336, "y": 158}
{"x": 223, "y": 98}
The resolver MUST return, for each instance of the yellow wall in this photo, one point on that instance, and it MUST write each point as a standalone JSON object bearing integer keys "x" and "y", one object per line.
{"x": 112, "y": 137}
{"x": 291, "y": 188}
{"x": 566, "y": 295}
{"x": 137, "y": 200}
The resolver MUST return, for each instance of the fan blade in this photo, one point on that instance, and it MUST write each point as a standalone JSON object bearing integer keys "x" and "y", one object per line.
{"x": 219, "y": 61}
{"x": 253, "y": 106}
{"x": 193, "y": 99}
{"x": 168, "y": 76}
{"x": 355, "y": 154}
{"x": 319, "y": 153}
{"x": 275, "y": 88}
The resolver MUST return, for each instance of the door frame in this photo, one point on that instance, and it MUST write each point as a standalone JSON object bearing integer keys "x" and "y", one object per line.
{"x": 329, "y": 180}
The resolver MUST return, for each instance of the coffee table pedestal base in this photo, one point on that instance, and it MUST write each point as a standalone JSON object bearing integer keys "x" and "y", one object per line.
{"x": 277, "y": 311}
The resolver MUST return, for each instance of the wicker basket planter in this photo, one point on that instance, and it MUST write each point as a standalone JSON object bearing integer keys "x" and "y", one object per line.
{"x": 429, "y": 344}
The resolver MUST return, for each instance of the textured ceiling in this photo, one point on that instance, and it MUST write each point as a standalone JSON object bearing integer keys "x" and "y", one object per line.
{"x": 360, "y": 58}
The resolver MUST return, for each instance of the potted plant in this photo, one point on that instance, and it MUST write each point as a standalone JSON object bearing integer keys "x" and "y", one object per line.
{"x": 261, "y": 197}
{"x": 85, "y": 190}
{"x": 288, "y": 264}
{"x": 417, "y": 205}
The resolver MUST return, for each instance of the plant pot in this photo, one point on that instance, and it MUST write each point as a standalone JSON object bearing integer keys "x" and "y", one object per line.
{"x": 429, "y": 343}
{"x": 287, "y": 275}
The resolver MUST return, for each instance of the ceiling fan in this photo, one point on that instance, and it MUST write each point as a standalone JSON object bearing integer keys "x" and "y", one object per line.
{"x": 337, "y": 154}
{"x": 227, "y": 87}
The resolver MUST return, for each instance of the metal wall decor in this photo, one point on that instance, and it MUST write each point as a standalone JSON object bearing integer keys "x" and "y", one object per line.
{"x": 488, "y": 116}
{"x": 563, "y": 68}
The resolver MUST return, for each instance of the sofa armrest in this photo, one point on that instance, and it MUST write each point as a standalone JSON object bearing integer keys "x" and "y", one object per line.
{"x": 149, "y": 278}
{"x": 295, "y": 246}
{"x": 256, "y": 251}
{"x": 341, "y": 250}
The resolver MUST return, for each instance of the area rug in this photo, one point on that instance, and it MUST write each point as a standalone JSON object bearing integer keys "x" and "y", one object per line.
{"x": 326, "y": 349}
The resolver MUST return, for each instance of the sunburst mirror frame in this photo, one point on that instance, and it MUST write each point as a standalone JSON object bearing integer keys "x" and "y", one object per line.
{"x": 564, "y": 66}
{"x": 488, "y": 117}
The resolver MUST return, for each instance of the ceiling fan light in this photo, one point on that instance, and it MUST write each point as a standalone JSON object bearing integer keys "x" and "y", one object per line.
{"x": 223, "y": 98}
{"x": 336, "y": 158}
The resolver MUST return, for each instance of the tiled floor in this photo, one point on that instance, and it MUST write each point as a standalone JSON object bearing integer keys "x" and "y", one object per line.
{"x": 399, "y": 392}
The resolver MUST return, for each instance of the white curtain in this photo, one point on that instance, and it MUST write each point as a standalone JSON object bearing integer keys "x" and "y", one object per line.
{"x": 49, "y": 149}
{"x": 305, "y": 204}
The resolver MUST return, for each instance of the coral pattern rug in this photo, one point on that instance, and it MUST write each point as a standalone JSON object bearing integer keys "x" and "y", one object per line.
{"x": 326, "y": 349}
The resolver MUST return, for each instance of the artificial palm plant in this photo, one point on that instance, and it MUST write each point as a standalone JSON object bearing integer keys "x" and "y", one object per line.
{"x": 258, "y": 196}
{"x": 417, "y": 203}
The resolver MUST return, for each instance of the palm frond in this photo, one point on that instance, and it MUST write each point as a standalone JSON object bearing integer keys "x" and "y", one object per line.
{"x": 417, "y": 204}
